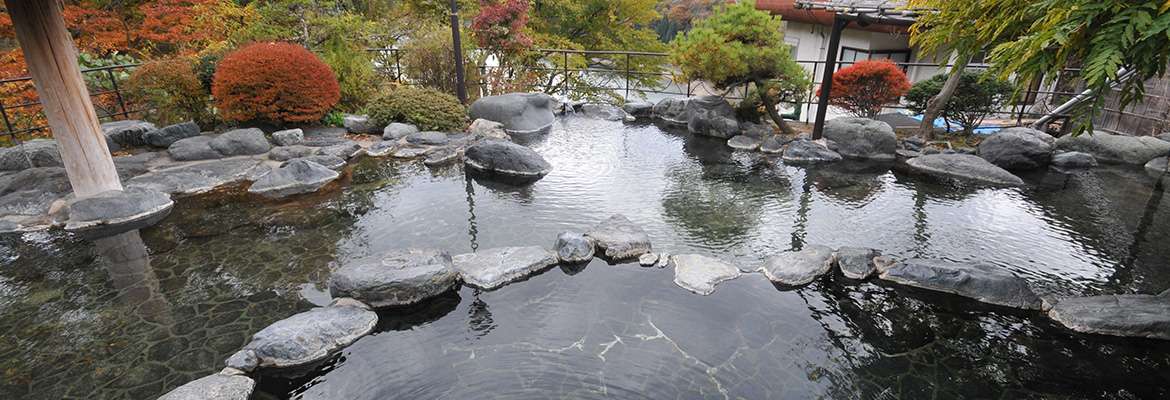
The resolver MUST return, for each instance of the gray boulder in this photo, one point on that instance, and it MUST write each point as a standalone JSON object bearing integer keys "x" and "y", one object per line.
{"x": 310, "y": 336}
{"x": 42, "y": 153}
{"x": 808, "y": 151}
{"x": 440, "y": 156}
{"x": 331, "y": 162}
{"x": 117, "y": 211}
{"x": 1074, "y": 159}
{"x": 382, "y": 149}
{"x": 409, "y": 152}
{"x": 856, "y": 262}
{"x": 648, "y": 260}
{"x": 342, "y": 151}
{"x": 360, "y": 124}
{"x": 1017, "y": 148}
{"x": 1165, "y": 136}
{"x": 427, "y": 138}
{"x": 963, "y": 167}
{"x": 758, "y": 131}
{"x": 193, "y": 149}
{"x": 506, "y": 158}
{"x": 398, "y": 277}
{"x": 397, "y": 130}
{"x": 196, "y": 178}
{"x": 285, "y": 153}
{"x": 572, "y": 248}
{"x": 862, "y": 138}
{"x": 483, "y": 128}
{"x": 33, "y": 191}
{"x": 913, "y": 143}
{"x": 743, "y": 142}
{"x": 982, "y": 282}
{"x": 520, "y": 113}
{"x": 638, "y": 109}
{"x": 295, "y": 177}
{"x": 796, "y": 268}
{"x": 710, "y": 123}
{"x": 126, "y": 133}
{"x": 1132, "y": 315}
{"x": 774, "y": 144}
{"x": 1157, "y": 165}
{"x": 241, "y": 142}
{"x": 214, "y": 387}
{"x": 492, "y": 268}
{"x": 620, "y": 239}
{"x": 1116, "y": 149}
{"x": 671, "y": 109}
{"x": 700, "y": 274}
{"x": 288, "y": 137}
{"x": 165, "y": 137}
{"x": 606, "y": 112}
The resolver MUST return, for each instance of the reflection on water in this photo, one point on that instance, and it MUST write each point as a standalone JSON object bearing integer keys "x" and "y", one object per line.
{"x": 134, "y": 316}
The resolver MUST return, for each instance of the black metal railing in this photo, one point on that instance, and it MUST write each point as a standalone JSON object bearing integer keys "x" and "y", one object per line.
{"x": 114, "y": 109}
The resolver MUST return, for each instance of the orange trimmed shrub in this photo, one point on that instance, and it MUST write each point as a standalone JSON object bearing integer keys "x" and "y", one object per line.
{"x": 864, "y": 88}
{"x": 274, "y": 82}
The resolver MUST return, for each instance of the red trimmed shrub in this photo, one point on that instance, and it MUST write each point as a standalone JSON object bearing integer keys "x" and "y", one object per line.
{"x": 274, "y": 82}
{"x": 864, "y": 88}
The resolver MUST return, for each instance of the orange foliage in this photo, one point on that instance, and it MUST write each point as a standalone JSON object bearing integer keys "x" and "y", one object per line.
{"x": 275, "y": 82}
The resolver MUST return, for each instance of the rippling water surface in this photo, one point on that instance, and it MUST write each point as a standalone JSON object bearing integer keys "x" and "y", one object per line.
{"x": 135, "y": 316}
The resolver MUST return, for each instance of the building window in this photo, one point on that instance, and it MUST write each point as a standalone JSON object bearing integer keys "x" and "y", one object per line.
{"x": 851, "y": 55}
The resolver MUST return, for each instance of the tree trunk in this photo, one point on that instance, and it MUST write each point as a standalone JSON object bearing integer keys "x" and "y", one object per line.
{"x": 770, "y": 107}
{"x": 935, "y": 105}
{"x": 52, "y": 61}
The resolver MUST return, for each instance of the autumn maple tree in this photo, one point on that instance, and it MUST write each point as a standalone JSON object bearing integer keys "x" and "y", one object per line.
{"x": 866, "y": 87}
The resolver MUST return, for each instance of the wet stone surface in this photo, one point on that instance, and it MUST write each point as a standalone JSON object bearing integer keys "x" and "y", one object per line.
{"x": 700, "y": 274}
{"x": 310, "y": 336}
{"x": 399, "y": 277}
{"x": 491, "y": 268}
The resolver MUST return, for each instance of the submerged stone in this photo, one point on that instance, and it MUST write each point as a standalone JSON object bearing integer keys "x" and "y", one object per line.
{"x": 979, "y": 281}
{"x": 310, "y": 336}
{"x": 572, "y": 248}
{"x": 295, "y": 177}
{"x": 492, "y": 268}
{"x": 856, "y": 262}
{"x": 214, "y": 387}
{"x": 398, "y": 277}
{"x": 795, "y": 268}
{"x": 700, "y": 274}
{"x": 964, "y": 167}
{"x": 620, "y": 239}
{"x": 440, "y": 156}
{"x": 1133, "y": 315}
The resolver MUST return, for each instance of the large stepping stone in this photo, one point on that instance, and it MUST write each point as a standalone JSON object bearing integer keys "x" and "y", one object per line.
{"x": 1116, "y": 149}
{"x": 572, "y": 248}
{"x": 862, "y": 138}
{"x": 214, "y": 387}
{"x": 983, "y": 282}
{"x": 506, "y": 158}
{"x": 856, "y": 262}
{"x": 491, "y": 268}
{"x": 196, "y": 178}
{"x": 700, "y": 274}
{"x": 796, "y": 268}
{"x": 1133, "y": 315}
{"x": 310, "y": 336}
{"x": 33, "y": 191}
{"x": 963, "y": 167}
{"x": 521, "y": 113}
{"x": 620, "y": 239}
{"x": 117, "y": 211}
{"x": 360, "y": 124}
{"x": 398, "y": 277}
{"x": 285, "y": 153}
{"x": 295, "y": 177}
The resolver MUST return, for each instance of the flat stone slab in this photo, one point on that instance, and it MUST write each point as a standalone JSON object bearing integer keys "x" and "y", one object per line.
{"x": 295, "y": 177}
{"x": 808, "y": 152}
{"x": 343, "y": 151}
{"x": 310, "y": 336}
{"x": 331, "y": 162}
{"x": 491, "y": 268}
{"x": 796, "y": 268}
{"x": 572, "y": 248}
{"x": 440, "y": 156}
{"x": 620, "y": 239}
{"x": 983, "y": 282}
{"x": 117, "y": 211}
{"x": 700, "y": 274}
{"x": 964, "y": 167}
{"x": 1133, "y": 315}
{"x": 394, "y": 278}
{"x": 214, "y": 387}
{"x": 428, "y": 138}
{"x": 856, "y": 262}
{"x": 196, "y": 178}
{"x": 285, "y": 153}
{"x": 381, "y": 149}
{"x": 743, "y": 142}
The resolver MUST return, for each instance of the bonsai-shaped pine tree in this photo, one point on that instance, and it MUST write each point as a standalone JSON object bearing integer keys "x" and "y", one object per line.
{"x": 738, "y": 44}
{"x": 866, "y": 87}
{"x": 977, "y": 96}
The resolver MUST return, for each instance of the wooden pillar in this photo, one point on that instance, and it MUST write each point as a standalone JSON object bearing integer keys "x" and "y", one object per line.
{"x": 839, "y": 25}
{"x": 52, "y": 61}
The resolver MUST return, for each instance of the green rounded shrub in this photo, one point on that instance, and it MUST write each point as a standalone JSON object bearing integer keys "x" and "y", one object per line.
{"x": 429, "y": 109}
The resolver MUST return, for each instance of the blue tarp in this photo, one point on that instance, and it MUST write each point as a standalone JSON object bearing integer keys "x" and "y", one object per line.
{"x": 955, "y": 127}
